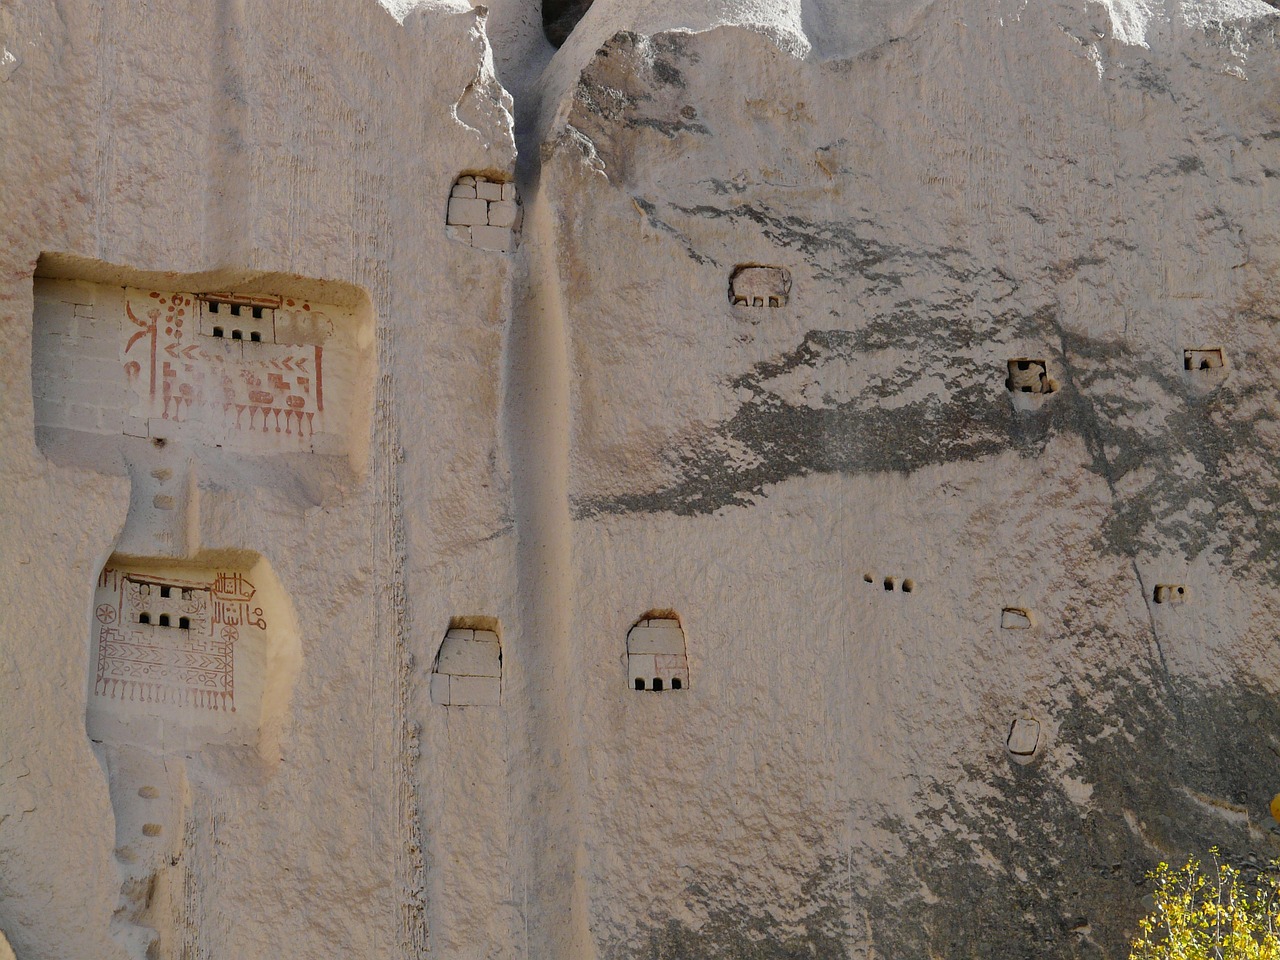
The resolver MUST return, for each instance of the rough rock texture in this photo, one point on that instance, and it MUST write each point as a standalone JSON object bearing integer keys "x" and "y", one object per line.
{"x": 963, "y": 662}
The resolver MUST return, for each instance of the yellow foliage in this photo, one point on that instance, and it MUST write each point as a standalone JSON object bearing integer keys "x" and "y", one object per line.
{"x": 1210, "y": 914}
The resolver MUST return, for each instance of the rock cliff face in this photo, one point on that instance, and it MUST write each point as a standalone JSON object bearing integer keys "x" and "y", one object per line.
{"x": 837, "y": 443}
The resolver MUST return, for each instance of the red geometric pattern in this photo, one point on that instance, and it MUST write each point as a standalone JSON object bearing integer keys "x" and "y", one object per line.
{"x": 192, "y": 665}
{"x": 279, "y": 389}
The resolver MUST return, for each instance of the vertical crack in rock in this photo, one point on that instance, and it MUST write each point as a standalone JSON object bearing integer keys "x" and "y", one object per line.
{"x": 554, "y": 874}
{"x": 1091, "y": 433}
{"x": 393, "y": 630}
{"x": 548, "y": 773}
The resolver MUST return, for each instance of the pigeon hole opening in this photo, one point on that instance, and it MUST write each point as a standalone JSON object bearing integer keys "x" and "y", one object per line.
{"x": 657, "y": 652}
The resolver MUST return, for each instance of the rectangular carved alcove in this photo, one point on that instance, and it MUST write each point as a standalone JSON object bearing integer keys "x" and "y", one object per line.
{"x": 1203, "y": 358}
{"x": 187, "y": 653}
{"x": 252, "y": 363}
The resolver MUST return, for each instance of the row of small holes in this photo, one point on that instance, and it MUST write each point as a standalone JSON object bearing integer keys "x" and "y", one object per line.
{"x": 166, "y": 592}
{"x": 1188, "y": 363}
{"x": 184, "y": 623}
{"x": 255, "y": 337}
{"x": 907, "y": 585}
{"x": 1178, "y": 591}
{"x": 235, "y": 310}
{"x": 657, "y": 683}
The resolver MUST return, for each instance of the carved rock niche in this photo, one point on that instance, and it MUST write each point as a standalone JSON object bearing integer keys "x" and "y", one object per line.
{"x": 657, "y": 657}
{"x": 252, "y": 364}
{"x": 190, "y": 653}
{"x": 1015, "y": 618}
{"x": 1024, "y": 741}
{"x": 1029, "y": 383}
{"x": 1204, "y": 368}
{"x": 468, "y": 667}
{"x": 759, "y": 286}
{"x": 483, "y": 212}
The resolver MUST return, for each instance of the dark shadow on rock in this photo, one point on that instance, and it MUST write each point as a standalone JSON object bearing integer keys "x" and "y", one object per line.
{"x": 559, "y": 17}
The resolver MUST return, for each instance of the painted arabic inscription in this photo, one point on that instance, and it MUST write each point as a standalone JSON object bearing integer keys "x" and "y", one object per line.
{"x": 172, "y": 641}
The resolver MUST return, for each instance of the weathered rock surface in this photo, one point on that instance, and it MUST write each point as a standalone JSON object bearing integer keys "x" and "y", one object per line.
{"x": 912, "y": 365}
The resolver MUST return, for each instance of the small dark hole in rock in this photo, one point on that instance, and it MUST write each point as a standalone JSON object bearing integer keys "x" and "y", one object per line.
{"x": 235, "y": 309}
{"x": 257, "y": 313}
{"x": 158, "y": 442}
{"x": 888, "y": 583}
{"x": 255, "y": 337}
{"x": 237, "y": 335}
{"x": 559, "y": 17}
{"x": 1024, "y": 364}
{"x": 213, "y": 306}
{"x": 657, "y": 683}
{"x": 144, "y": 618}
{"x": 164, "y": 619}
{"x": 217, "y": 331}
{"x": 867, "y": 577}
{"x": 675, "y": 683}
{"x": 184, "y": 623}
{"x": 639, "y": 683}
{"x": 164, "y": 592}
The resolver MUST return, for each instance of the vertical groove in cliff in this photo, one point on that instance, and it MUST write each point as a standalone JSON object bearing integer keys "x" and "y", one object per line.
{"x": 104, "y": 141}
{"x": 228, "y": 199}
{"x": 392, "y": 626}
{"x": 548, "y": 779}
{"x": 372, "y": 208}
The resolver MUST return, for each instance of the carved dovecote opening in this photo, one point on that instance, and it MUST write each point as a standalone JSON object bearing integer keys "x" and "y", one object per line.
{"x": 234, "y": 317}
{"x": 187, "y": 653}
{"x": 891, "y": 584}
{"x": 1204, "y": 368}
{"x": 657, "y": 655}
{"x": 468, "y": 667}
{"x": 1169, "y": 593}
{"x": 119, "y": 353}
{"x": 1015, "y": 618}
{"x": 483, "y": 213}
{"x": 1203, "y": 358}
{"x": 751, "y": 285}
{"x": 1029, "y": 376}
{"x": 1024, "y": 741}
{"x": 1028, "y": 383}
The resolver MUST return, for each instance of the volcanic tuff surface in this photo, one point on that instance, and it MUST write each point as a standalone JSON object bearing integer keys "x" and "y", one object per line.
{"x": 912, "y": 365}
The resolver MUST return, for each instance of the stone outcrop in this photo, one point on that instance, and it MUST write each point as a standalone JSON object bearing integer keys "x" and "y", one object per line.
{"x": 898, "y": 378}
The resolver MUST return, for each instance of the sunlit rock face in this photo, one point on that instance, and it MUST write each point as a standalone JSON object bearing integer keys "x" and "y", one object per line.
{"x": 633, "y": 480}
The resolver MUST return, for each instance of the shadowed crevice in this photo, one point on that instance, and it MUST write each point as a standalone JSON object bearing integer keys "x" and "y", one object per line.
{"x": 559, "y": 17}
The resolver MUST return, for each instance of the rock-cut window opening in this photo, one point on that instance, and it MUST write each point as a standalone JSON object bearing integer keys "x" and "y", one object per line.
{"x": 657, "y": 656}
{"x": 468, "y": 667}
